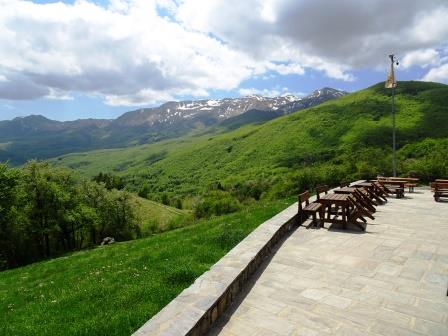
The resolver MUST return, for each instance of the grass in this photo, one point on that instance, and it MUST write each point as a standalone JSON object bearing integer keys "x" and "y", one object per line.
{"x": 113, "y": 290}
{"x": 156, "y": 217}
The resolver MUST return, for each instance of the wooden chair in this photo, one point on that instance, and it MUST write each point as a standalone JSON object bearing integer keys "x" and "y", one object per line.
{"x": 308, "y": 208}
{"x": 380, "y": 191}
{"x": 384, "y": 190}
{"x": 364, "y": 200}
{"x": 321, "y": 189}
{"x": 358, "y": 212}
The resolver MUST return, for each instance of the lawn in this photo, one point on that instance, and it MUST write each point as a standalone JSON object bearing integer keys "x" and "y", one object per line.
{"x": 156, "y": 217}
{"x": 113, "y": 290}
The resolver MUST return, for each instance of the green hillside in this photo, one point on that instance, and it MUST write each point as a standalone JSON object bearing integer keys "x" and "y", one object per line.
{"x": 342, "y": 139}
{"x": 113, "y": 290}
{"x": 156, "y": 217}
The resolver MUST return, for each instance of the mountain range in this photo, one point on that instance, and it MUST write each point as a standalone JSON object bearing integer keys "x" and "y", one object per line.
{"x": 35, "y": 136}
{"x": 344, "y": 139}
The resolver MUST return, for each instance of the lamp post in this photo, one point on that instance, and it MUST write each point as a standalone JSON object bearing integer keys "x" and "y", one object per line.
{"x": 391, "y": 84}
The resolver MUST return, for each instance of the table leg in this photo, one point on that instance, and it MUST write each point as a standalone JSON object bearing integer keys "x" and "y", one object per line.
{"x": 344, "y": 216}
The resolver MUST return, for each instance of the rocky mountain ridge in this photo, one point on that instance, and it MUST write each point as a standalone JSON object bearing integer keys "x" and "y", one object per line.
{"x": 38, "y": 137}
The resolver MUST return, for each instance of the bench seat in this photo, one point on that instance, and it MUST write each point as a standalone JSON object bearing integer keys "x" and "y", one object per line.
{"x": 313, "y": 207}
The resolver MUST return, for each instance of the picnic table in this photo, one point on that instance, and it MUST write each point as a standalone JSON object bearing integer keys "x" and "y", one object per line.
{"x": 395, "y": 186}
{"x": 345, "y": 190}
{"x": 440, "y": 190}
{"x": 340, "y": 201}
{"x": 409, "y": 182}
{"x": 363, "y": 198}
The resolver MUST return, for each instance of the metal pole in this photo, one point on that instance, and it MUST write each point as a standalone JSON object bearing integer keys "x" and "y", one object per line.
{"x": 394, "y": 156}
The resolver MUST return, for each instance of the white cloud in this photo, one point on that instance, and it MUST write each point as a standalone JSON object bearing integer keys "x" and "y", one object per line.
{"x": 439, "y": 74}
{"x": 287, "y": 69}
{"x": 56, "y": 94}
{"x": 126, "y": 53}
{"x": 272, "y": 92}
{"x": 423, "y": 58}
{"x": 130, "y": 54}
{"x": 259, "y": 92}
{"x": 331, "y": 36}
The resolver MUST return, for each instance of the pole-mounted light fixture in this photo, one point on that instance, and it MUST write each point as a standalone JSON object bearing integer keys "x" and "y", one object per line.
{"x": 392, "y": 84}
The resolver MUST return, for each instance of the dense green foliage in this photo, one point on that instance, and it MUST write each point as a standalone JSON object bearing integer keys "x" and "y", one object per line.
{"x": 113, "y": 290}
{"x": 343, "y": 139}
{"x": 110, "y": 181}
{"x": 46, "y": 211}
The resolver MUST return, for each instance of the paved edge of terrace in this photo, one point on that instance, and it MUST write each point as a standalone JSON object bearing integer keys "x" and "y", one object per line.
{"x": 195, "y": 309}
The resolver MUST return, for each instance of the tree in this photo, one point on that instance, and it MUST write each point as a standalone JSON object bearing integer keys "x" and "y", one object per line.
{"x": 49, "y": 192}
{"x": 121, "y": 216}
{"x": 47, "y": 210}
{"x": 110, "y": 181}
{"x": 9, "y": 216}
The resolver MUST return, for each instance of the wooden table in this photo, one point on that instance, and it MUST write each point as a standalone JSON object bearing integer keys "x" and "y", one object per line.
{"x": 409, "y": 182}
{"x": 364, "y": 185}
{"x": 397, "y": 187}
{"x": 345, "y": 190}
{"x": 339, "y": 200}
{"x": 364, "y": 198}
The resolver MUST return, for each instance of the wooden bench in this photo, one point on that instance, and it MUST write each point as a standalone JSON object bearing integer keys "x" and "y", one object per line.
{"x": 308, "y": 208}
{"x": 440, "y": 190}
{"x": 409, "y": 182}
{"x": 394, "y": 187}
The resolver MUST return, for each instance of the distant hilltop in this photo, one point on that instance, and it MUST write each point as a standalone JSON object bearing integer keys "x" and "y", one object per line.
{"x": 38, "y": 137}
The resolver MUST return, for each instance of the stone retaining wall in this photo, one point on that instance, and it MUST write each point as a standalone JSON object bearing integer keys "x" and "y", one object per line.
{"x": 194, "y": 310}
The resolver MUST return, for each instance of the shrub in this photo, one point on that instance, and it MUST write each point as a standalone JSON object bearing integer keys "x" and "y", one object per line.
{"x": 216, "y": 203}
{"x": 230, "y": 236}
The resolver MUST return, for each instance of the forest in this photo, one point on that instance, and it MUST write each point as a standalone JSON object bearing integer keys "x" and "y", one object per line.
{"x": 46, "y": 211}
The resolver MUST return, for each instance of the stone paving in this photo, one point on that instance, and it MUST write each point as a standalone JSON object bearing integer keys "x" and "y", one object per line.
{"x": 390, "y": 280}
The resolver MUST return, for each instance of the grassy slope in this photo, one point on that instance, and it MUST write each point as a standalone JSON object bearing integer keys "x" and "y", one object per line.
{"x": 113, "y": 290}
{"x": 158, "y": 217}
{"x": 353, "y": 128}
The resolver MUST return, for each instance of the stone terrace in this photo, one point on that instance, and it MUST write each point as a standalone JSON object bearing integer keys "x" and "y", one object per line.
{"x": 390, "y": 280}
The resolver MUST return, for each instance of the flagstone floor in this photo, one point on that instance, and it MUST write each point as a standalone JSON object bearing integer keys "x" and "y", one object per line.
{"x": 390, "y": 280}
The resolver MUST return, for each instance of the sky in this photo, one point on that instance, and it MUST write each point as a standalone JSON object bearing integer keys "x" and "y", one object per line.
{"x": 100, "y": 58}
